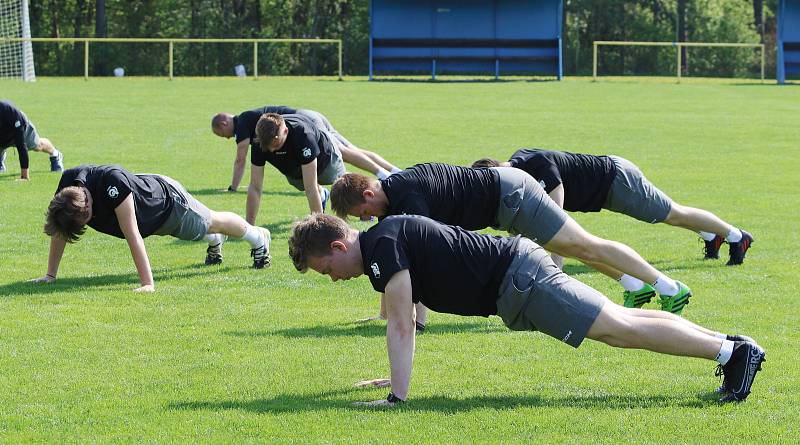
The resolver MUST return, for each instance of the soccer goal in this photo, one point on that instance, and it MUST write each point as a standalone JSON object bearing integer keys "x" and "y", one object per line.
{"x": 16, "y": 57}
{"x": 678, "y": 46}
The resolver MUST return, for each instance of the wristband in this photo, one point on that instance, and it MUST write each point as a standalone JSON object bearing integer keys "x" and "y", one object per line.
{"x": 391, "y": 398}
{"x": 51, "y": 276}
{"x": 231, "y": 189}
{"x": 420, "y": 327}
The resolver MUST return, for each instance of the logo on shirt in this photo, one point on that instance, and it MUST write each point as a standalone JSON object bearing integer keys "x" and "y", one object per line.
{"x": 112, "y": 192}
{"x": 541, "y": 182}
{"x": 566, "y": 337}
{"x": 306, "y": 152}
{"x": 376, "y": 271}
{"x": 17, "y": 124}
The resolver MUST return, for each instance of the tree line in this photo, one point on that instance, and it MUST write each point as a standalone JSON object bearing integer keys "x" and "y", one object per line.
{"x": 751, "y": 21}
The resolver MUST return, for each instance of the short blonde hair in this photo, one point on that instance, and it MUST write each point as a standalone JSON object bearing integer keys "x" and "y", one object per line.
{"x": 267, "y": 128}
{"x": 348, "y": 192}
{"x": 312, "y": 237}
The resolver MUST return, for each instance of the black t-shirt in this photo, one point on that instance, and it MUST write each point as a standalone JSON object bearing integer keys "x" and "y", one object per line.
{"x": 586, "y": 178}
{"x": 449, "y": 194}
{"x": 109, "y": 185}
{"x": 244, "y": 125}
{"x": 304, "y": 143}
{"x": 12, "y": 130}
{"x": 452, "y": 270}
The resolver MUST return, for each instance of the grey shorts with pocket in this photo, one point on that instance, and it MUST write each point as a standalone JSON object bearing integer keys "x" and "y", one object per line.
{"x": 535, "y": 295}
{"x": 31, "y": 137}
{"x": 525, "y": 208}
{"x": 332, "y": 172}
{"x": 633, "y": 195}
{"x": 324, "y": 124}
{"x": 190, "y": 219}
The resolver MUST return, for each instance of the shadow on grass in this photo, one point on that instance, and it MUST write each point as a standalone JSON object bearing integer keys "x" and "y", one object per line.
{"x": 446, "y": 80}
{"x": 327, "y": 400}
{"x": 366, "y": 330}
{"x": 20, "y": 288}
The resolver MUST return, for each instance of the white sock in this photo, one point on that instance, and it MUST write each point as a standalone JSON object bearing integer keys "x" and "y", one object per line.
{"x": 631, "y": 283}
{"x": 253, "y": 237}
{"x": 666, "y": 286}
{"x": 396, "y": 170}
{"x": 215, "y": 239}
{"x": 734, "y": 236}
{"x": 708, "y": 236}
{"x": 382, "y": 174}
{"x": 725, "y": 352}
{"x": 721, "y": 336}
{"x": 55, "y": 152}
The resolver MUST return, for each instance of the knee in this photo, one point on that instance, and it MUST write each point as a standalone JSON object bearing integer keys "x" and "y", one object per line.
{"x": 586, "y": 250}
{"x": 677, "y": 215}
{"x": 623, "y": 333}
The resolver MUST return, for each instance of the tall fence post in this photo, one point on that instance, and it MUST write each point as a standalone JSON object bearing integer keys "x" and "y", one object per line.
{"x": 340, "y": 59}
{"x": 255, "y": 60}
{"x": 762, "y": 63}
{"x": 85, "y": 60}
{"x": 679, "y": 61}
{"x": 594, "y": 62}
{"x": 171, "y": 58}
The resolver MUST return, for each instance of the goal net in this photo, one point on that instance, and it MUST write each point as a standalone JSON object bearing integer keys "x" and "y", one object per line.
{"x": 16, "y": 57}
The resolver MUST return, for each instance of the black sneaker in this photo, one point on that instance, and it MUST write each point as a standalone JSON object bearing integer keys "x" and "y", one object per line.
{"x": 741, "y": 369}
{"x": 214, "y": 255}
{"x": 711, "y": 249}
{"x": 725, "y": 387}
{"x": 738, "y": 250}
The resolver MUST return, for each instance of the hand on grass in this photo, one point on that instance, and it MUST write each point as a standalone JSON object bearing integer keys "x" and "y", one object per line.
{"x": 368, "y": 319}
{"x": 44, "y": 279}
{"x": 374, "y": 383}
{"x": 383, "y": 403}
{"x": 146, "y": 288}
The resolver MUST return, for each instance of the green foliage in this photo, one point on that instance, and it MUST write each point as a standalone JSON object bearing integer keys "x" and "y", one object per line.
{"x": 231, "y": 355}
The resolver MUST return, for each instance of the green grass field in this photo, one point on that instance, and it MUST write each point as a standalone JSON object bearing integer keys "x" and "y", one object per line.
{"x": 232, "y": 355}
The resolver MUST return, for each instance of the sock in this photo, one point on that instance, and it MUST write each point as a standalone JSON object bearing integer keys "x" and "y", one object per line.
{"x": 734, "y": 236}
{"x": 725, "y": 352}
{"x": 666, "y": 286}
{"x": 214, "y": 239}
{"x": 630, "y": 283}
{"x": 253, "y": 237}
{"x": 707, "y": 236}
{"x": 382, "y": 174}
{"x": 396, "y": 170}
{"x": 55, "y": 153}
{"x": 721, "y": 336}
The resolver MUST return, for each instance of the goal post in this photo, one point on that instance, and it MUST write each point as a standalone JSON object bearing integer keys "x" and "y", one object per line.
{"x": 678, "y": 45}
{"x": 16, "y": 53}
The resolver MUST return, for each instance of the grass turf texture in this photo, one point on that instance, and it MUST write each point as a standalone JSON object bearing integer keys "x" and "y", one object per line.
{"x": 228, "y": 354}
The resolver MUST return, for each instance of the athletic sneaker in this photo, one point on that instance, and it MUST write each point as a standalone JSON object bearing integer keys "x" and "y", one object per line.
{"x": 676, "y": 303}
{"x": 3, "y": 161}
{"x": 741, "y": 369}
{"x": 214, "y": 255}
{"x": 725, "y": 387}
{"x": 711, "y": 249}
{"x": 738, "y": 250}
{"x": 325, "y": 195}
{"x": 261, "y": 256}
{"x": 420, "y": 327}
{"x": 637, "y": 298}
{"x": 57, "y": 162}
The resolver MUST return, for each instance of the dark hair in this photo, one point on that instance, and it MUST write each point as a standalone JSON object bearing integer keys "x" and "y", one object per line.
{"x": 348, "y": 192}
{"x": 218, "y": 119}
{"x": 267, "y": 129}
{"x": 66, "y": 216}
{"x": 312, "y": 237}
{"x": 485, "y": 162}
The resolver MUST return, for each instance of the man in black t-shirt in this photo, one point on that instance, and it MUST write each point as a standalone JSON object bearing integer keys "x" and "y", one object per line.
{"x": 507, "y": 199}
{"x": 17, "y": 131}
{"x": 588, "y": 183}
{"x": 411, "y": 259}
{"x": 243, "y": 128}
{"x": 116, "y": 202}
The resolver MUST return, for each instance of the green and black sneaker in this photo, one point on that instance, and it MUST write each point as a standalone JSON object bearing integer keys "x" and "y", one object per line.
{"x": 637, "y": 298}
{"x": 676, "y": 303}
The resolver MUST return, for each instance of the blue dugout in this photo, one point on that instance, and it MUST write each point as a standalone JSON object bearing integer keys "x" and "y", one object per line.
{"x": 465, "y": 36}
{"x": 788, "y": 39}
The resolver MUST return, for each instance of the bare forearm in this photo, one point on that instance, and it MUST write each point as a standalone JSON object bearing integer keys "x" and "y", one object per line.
{"x": 400, "y": 344}
{"x": 140, "y": 259}
{"x": 253, "y": 203}
{"x": 57, "y": 246}
{"x": 238, "y": 173}
{"x": 314, "y": 200}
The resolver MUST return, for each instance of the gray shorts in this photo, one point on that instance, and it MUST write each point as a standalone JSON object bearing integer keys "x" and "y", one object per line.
{"x": 190, "y": 219}
{"x": 535, "y": 295}
{"x": 30, "y": 136}
{"x": 324, "y": 124}
{"x": 525, "y": 208}
{"x": 633, "y": 195}
{"x": 332, "y": 172}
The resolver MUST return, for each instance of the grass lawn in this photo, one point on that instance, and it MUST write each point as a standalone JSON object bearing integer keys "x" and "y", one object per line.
{"x": 229, "y": 354}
